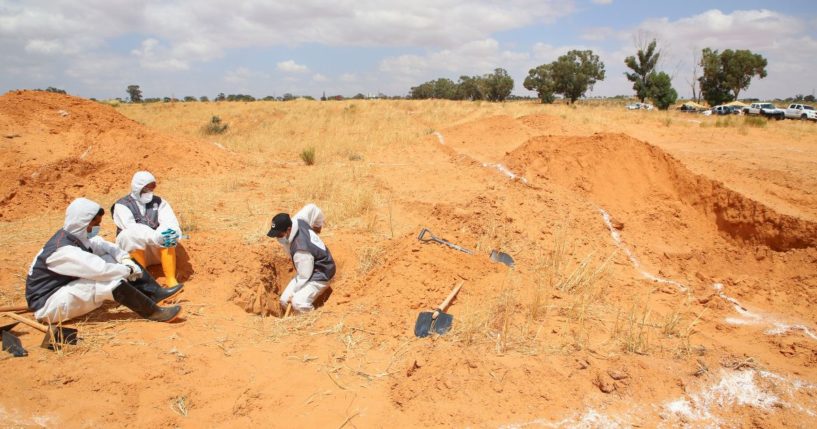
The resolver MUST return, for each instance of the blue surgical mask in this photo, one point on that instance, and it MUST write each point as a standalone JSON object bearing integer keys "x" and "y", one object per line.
{"x": 94, "y": 232}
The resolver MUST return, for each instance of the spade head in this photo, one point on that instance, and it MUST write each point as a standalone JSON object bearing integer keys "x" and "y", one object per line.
{"x": 502, "y": 258}
{"x": 57, "y": 335}
{"x": 13, "y": 345}
{"x": 443, "y": 323}
{"x": 423, "y": 325}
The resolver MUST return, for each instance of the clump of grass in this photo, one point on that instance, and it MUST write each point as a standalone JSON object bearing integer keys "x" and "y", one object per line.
{"x": 308, "y": 155}
{"x": 633, "y": 330}
{"x": 667, "y": 121}
{"x": 215, "y": 126}
{"x": 755, "y": 121}
{"x": 355, "y": 157}
{"x": 368, "y": 258}
{"x": 725, "y": 122}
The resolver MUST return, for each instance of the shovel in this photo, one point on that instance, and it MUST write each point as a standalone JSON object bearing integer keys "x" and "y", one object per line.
{"x": 437, "y": 321}
{"x": 53, "y": 334}
{"x": 496, "y": 255}
{"x": 13, "y": 345}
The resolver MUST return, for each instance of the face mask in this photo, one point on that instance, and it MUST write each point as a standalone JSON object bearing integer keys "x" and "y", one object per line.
{"x": 146, "y": 197}
{"x": 94, "y": 232}
{"x": 283, "y": 241}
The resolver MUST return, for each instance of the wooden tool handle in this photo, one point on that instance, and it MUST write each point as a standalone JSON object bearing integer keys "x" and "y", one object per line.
{"x": 289, "y": 309}
{"x": 27, "y": 321}
{"x": 448, "y": 300}
{"x": 14, "y": 308}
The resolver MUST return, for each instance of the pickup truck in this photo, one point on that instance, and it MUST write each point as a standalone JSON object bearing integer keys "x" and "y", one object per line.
{"x": 765, "y": 109}
{"x": 801, "y": 111}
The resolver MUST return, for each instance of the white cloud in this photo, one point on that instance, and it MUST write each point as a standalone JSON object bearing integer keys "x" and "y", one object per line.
{"x": 242, "y": 75}
{"x": 153, "y": 56}
{"x": 598, "y": 34}
{"x": 348, "y": 77}
{"x": 603, "y": 2}
{"x": 317, "y": 77}
{"x": 290, "y": 66}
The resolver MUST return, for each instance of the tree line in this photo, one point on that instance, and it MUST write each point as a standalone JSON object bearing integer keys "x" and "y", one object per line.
{"x": 725, "y": 75}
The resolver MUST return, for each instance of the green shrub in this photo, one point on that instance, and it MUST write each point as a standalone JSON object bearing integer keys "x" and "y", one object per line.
{"x": 308, "y": 156}
{"x": 214, "y": 127}
{"x": 755, "y": 121}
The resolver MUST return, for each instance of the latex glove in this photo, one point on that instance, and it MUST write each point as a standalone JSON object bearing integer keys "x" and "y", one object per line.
{"x": 135, "y": 269}
{"x": 167, "y": 238}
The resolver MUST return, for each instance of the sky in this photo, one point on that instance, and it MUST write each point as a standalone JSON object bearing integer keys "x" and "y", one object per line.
{"x": 96, "y": 48}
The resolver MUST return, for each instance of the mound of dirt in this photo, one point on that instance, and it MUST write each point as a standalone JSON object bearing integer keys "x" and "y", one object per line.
{"x": 265, "y": 277}
{"x": 58, "y": 147}
{"x": 628, "y": 176}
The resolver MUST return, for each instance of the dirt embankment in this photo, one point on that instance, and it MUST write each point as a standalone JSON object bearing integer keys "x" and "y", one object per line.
{"x": 627, "y": 175}
{"x": 58, "y": 147}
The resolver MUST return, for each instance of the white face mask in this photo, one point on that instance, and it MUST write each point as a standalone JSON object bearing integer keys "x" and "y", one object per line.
{"x": 94, "y": 232}
{"x": 146, "y": 197}
{"x": 283, "y": 241}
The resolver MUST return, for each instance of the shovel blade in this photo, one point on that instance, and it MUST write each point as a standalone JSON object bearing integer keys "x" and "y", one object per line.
{"x": 423, "y": 325}
{"x": 502, "y": 258}
{"x": 57, "y": 335}
{"x": 13, "y": 345}
{"x": 443, "y": 323}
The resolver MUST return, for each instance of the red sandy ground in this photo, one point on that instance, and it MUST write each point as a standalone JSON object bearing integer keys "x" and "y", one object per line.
{"x": 693, "y": 207}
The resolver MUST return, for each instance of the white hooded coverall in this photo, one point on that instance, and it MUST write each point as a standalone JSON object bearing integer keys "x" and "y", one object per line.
{"x": 99, "y": 272}
{"x": 300, "y": 290}
{"x": 136, "y": 236}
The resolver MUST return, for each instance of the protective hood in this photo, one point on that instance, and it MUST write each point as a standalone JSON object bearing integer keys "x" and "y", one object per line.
{"x": 78, "y": 216}
{"x": 140, "y": 180}
{"x": 311, "y": 214}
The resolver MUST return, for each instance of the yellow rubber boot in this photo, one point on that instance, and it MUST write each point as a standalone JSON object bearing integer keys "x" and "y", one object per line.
{"x": 139, "y": 257}
{"x": 169, "y": 265}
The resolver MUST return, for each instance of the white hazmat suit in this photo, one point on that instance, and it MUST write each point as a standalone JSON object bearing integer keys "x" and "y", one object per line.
{"x": 98, "y": 272}
{"x": 137, "y": 236}
{"x": 300, "y": 290}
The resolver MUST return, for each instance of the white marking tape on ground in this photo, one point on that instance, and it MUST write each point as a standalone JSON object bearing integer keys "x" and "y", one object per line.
{"x": 499, "y": 167}
{"x": 507, "y": 172}
{"x": 747, "y": 317}
{"x": 440, "y": 137}
{"x": 631, "y": 256}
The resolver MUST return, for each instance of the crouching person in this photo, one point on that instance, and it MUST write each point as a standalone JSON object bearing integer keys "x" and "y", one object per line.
{"x": 76, "y": 271}
{"x": 313, "y": 262}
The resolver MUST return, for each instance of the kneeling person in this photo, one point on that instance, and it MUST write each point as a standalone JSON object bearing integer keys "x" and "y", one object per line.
{"x": 76, "y": 271}
{"x": 313, "y": 262}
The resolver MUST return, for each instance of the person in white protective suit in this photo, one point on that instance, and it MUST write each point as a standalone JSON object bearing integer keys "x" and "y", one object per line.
{"x": 313, "y": 261}
{"x": 146, "y": 226}
{"x": 76, "y": 271}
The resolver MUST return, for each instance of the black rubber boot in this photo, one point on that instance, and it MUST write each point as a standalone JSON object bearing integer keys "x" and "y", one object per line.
{"x": 131, "y": 297}
{"x": 150, "y": 287}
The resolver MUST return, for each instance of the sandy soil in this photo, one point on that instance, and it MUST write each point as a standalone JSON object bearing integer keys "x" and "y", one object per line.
{"x": 666, "y": 266}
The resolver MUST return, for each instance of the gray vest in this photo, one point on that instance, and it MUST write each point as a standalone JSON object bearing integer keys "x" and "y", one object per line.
{"x": 151, "y": 216}
{"x": 306, "y": 240}
{"x": 41, "y": 282}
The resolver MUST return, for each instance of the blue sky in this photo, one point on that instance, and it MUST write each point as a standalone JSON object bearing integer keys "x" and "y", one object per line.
{"x": 96, "y": 48}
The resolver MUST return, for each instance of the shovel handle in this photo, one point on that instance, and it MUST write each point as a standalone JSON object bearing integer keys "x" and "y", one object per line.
{"x": 448, "y": 300}
{"x": 27, "y": 321}
{"x": 14, "y": 308}
{"x": 435, "y": 239}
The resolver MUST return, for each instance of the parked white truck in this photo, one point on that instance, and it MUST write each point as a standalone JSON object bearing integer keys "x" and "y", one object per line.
{"x": 765, "y": 109}
{"x": 801, "y": 111}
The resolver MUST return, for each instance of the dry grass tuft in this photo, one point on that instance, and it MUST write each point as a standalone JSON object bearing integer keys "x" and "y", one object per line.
{"x": 368, "y": 258}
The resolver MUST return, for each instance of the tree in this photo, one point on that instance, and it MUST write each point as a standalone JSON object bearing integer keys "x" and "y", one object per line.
{"x": 359, "y": 96}
{"x": 571, "y": 75}
{"x": 135, "y": 93}
{"x": 540, "y": 79}
{"x": 221, "y": 97}
{"x": 323, "y": 97}
{"x": 809, "y": 98}
{"x": 422, "y": 91}
{"x": 643, "y": 67}
{"x": 728, "y": 73}
{"x": 498, "y": 85}
{"x": 444, "y": 88}
{"x": 189, "y": 98}
{"x": 204, "y": 99}
{"x": 468, "y": 89}
{"x": 661, "y": 91}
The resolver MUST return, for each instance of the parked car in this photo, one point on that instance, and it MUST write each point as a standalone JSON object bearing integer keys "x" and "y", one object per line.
{"x": 801, "y": 111}
{"x": 765, "y": 109}
{"x": 639, "y": 106}
{"x": 725, "y": 110}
